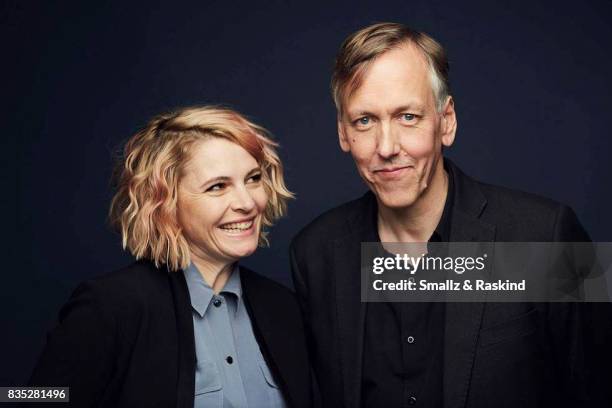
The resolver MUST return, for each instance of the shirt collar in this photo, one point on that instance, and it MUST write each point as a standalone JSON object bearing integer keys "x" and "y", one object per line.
{"x": 442, "y": 232}
{"x": 201, "y": 293}
{"x": 233, "y": 284}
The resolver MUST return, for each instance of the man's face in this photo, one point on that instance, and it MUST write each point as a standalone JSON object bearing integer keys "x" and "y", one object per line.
{"x": 392, "y": 129}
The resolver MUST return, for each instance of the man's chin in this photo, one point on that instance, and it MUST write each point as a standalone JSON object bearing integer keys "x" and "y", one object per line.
{"x": 395, "y": 199}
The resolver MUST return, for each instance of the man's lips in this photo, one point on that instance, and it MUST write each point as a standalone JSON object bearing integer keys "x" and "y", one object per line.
{"x": 390, "y": 169}
{"x": 391, "y": 172}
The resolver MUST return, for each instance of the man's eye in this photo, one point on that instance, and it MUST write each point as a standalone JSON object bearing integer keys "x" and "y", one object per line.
{"x": 364, "y": 121}
{"x": 408, "y": 117}
{"x": 216, "y": 187}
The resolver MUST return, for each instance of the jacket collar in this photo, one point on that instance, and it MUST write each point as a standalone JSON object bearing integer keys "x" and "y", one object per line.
{"x": 290, "y": 368}
{"x": 463, "y": 320}
{"x": 186, "y": 342}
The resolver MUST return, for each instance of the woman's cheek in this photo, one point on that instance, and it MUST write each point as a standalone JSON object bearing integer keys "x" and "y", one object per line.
{"x": 261, "y": 198}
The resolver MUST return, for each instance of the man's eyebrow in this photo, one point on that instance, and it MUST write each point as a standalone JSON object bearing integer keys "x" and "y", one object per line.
{"x": 359, "y": 113}
{"x": 412, "y": 106}
{"x": 409, "y": 107}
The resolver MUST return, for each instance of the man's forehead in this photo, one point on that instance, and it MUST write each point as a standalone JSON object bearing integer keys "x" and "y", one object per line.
{"x": 397, "y": 78}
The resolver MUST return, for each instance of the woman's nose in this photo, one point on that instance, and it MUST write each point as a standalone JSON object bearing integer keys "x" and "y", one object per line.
{"x": 242, "y": 200}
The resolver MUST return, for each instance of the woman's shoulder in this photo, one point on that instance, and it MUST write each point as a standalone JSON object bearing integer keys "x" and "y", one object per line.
{"x": 258, "y": 282}
{"x": 250, "y": 277}
{"x": 130, "y": 288}
{"x": 141, "y": 272}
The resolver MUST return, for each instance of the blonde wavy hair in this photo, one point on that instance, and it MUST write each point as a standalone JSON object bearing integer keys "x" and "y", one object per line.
{"x": 143, "y": 210}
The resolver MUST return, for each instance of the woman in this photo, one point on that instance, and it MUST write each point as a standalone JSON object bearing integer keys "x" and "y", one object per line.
{"x": 185, "y": 326}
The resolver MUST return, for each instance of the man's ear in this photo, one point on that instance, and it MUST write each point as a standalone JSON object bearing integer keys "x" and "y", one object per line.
{"x": 448, "y": 125}
{"x": 342, "y": 137}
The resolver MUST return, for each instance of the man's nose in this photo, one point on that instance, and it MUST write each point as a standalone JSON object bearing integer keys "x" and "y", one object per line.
{"x": 387, "y": 142}
{"x": 242, "y": 200}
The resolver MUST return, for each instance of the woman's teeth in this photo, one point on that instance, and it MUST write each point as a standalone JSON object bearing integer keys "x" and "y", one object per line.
{"x": 237, "y": 226}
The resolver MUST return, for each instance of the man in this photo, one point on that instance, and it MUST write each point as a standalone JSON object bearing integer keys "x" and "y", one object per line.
{"x": 395, "y": 116}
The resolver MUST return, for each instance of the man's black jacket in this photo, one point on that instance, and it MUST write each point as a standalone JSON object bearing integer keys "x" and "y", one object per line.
{"x": 495, "y": 354}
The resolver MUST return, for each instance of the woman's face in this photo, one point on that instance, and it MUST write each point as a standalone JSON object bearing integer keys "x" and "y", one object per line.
{"x": 221, "y": 199}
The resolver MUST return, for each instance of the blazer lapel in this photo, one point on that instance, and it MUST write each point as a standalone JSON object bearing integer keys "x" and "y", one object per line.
{"x": 351, "y": 317}
{"x": 186, "y": 342}
{"x": 289, "y": 366}
{"x": 350, "y": 310}
{"x": 463, "y": 319}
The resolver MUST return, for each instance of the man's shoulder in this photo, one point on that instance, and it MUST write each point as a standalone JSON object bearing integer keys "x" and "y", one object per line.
{"x": 517, "y": 201}
{"x": 518, "y": 214}
{"x": 336, "y": 222}
{"x": 475, "y": 196}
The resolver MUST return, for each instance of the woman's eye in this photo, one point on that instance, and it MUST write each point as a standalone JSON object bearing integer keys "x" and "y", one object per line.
{"x": 216, "y": 187}
{"x": 255, "y": 178}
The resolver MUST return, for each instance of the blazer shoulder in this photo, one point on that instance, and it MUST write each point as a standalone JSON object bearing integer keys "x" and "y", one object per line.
{"x": 545, "y": 219}
{"x": 334, "y": 223}
{"x": 128, "y": 289}
{"x": 270, "y": 301}
{"x": 255, "y": 282}
{"x": 499, "y": 197}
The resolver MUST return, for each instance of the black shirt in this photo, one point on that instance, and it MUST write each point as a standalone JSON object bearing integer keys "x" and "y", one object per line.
{"x": 403, "y": 344}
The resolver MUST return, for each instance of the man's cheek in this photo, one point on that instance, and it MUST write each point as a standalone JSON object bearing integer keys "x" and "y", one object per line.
{"x": 362, "y": 160}
{"x": 419, "y": 148}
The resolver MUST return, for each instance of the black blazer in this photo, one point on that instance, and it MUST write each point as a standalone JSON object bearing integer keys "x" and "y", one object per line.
{"x": 495, "y": 354}
{"x": 126, "y": 340}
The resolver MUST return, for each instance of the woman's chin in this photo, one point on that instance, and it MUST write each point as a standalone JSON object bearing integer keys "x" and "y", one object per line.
{"x": 242, "y": 250}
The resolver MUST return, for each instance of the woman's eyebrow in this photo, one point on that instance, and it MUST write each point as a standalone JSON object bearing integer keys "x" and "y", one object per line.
{"x": 215, "y": 180}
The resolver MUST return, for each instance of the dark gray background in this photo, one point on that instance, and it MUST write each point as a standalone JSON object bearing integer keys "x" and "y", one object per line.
{"x": 530, "y": 81}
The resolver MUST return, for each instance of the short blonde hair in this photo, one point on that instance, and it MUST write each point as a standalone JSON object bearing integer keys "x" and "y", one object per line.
{"x": 144, "y": 207}
{"x": 364, "y": 46}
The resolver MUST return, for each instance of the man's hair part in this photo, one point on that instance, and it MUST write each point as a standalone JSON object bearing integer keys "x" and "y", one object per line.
{"x": 361, "y": 48}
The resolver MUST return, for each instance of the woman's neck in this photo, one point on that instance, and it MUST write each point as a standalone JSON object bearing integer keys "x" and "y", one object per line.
{"x": 215, "y": 274}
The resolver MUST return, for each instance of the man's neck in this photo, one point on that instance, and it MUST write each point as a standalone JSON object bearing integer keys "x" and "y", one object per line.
{"x": 417, "y": 222}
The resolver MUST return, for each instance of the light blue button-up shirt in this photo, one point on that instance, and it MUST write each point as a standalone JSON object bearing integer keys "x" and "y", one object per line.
{"x": 230, "y": 370}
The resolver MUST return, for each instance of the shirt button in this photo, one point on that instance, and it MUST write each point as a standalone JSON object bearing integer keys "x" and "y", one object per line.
{"x": 229, "y": 359}
{"x": 410, "y": 339}
{"x": 217, "y": 302}
{"x": 412, "y": 400}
